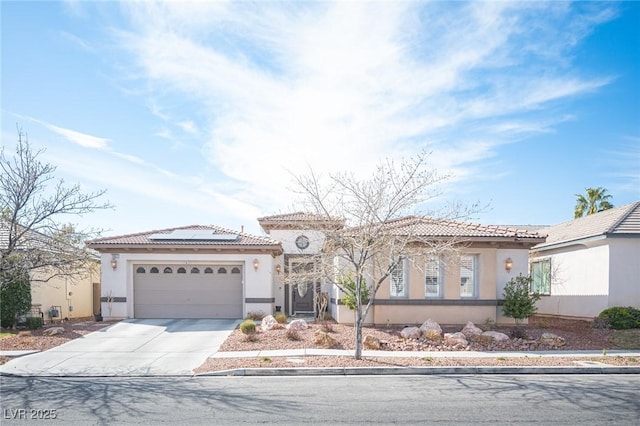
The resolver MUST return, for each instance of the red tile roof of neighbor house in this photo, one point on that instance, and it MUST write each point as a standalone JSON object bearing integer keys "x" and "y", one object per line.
{"x": 300, "y": 220}
{"x": 619, "y": 221}
{"x": 154, "y": 238}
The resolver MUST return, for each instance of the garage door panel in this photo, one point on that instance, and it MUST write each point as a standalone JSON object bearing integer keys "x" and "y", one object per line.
{"x": 187, "y": 295}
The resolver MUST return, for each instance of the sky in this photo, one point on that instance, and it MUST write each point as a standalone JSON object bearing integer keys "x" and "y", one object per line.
{"x": 204, "y": 112}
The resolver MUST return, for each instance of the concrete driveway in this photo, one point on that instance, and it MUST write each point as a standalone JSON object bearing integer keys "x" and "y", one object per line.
{"x": 153, "y": 347}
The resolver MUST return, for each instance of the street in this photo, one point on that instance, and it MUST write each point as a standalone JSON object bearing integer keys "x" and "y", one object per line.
{"x": 500, "y": 399}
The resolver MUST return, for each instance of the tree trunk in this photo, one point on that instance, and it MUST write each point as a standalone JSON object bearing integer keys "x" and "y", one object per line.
{"x": 358, "y": 324}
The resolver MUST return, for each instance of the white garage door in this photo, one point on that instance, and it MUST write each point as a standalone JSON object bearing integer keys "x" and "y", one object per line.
{"x": 187, "y": 291}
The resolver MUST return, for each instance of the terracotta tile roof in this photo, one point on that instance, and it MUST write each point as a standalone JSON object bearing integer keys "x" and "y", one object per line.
{"x": 148, "y": 239}
{"x": 623, "y": 220}
{"x": 300, "y": 220}
{"x": 422, "y": 226}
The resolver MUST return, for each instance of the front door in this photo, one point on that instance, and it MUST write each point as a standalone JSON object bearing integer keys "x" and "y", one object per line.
{"x": 303, "y": 288}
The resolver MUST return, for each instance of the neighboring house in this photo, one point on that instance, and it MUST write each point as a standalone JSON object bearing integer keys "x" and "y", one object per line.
{"x": 188, "y": 272}
{"x": 450, "y": 291}
{"x": 589, "y": 264}
{"x": 58, "y": 297}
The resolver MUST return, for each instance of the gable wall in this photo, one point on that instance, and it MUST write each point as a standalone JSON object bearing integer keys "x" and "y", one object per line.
{"x": 624, "y": 272}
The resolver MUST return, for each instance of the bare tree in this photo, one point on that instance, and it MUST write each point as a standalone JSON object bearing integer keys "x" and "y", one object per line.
{"x": 32, "y": 203}
{"x": 382, "y": 229}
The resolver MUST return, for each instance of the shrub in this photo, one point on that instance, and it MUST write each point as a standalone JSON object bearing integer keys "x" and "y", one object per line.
{"x": 256, "y": 316}
{"x": 248, "y": 326}
{"x": 518, "y": 333}
{"x": 15, "y": 292}
{"x": 293, "y": 335}
{"x": 251, "y": 337}
{"x": 33, "y": 323}
{"x": 327, "y": 326}
{"x": 621, "y": 318}
{"x": 519, "y": 303}
{"x": 281, "y": 318}
{"x": 347, "y": 285}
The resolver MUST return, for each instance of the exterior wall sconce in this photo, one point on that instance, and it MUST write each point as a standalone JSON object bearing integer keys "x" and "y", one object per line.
{"x": 508, "y": 264}
{"x": 278, "y": 268}
{"x": 114, "y": 261}
{"x": 256, "y": 264}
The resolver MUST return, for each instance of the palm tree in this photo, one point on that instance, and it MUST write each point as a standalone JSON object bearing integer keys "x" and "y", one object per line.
{"x": 596, "y": 200}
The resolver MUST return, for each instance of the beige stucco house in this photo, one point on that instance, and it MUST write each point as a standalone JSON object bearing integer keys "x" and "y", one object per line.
{"x": 589, "y": 264}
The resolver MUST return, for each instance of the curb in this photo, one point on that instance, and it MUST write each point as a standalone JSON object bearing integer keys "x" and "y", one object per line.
{"x": 418, "y": 371}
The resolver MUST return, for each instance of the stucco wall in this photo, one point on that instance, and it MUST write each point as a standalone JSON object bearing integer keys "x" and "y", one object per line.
{"x": 256, "y": 283}
{"x": 624, "y": 272}
{"x": 73, "y": 295}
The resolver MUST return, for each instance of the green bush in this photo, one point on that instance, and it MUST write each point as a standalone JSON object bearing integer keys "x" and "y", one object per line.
{"x": 621, "y": 318}
{"x": 248, "y": 326}
{"x": 33, "y": 323}
{"x": 519, "y": 302}
{"x": 15, "y": 292}
{"x": 281, "y": 318}
{"x": 347, "y": 285}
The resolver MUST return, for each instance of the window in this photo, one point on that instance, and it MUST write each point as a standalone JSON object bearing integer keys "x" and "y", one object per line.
{"x": 433, "y": 277}
{"x": 208, "y": 271}
{"x": 181, "y": 270}
{"x": 140, "y": 270}
{"x": 222, "y": 270}
{"x": 168, "y": 270}
{"x": 235, "y": 270}
{"x": 398, "y": 280}
{"x": 153, "y": 270}
{"x": 541, "y": 276}
{"x": 468, "y": 276}
{"x": 195, "y": 270}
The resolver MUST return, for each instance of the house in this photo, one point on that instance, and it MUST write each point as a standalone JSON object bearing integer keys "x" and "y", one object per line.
{"x": 212, "y": 272}
{"x": 57, "y": 297}
{"x": 187, "y": 272}
{"x": 589, "y": 264}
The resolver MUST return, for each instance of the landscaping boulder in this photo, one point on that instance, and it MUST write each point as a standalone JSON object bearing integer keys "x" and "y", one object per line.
{"x": 470, "y": 330}
{"x": 53, "y": 331}
{"x": 371, "y": 342}
{"x": 496, "y": 335}
{"x": 411, "y": 333}
{"x": 268, "y": 322}
{"x": 430, "y": 327}
{"x": 455, "y": 339}
{"x": 323, "y": 339}
{"x": 298, "y": 325}
{"x": 552, "y": 339}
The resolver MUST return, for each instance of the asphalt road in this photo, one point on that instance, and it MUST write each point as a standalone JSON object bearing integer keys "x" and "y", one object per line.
{"x": 482, "y": 399}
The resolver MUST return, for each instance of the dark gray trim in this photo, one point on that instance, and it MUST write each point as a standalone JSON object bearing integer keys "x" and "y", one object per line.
{"x": 436, "y": 302}
{"x": 114, "y": 299}
{"x": 259, "y": 300}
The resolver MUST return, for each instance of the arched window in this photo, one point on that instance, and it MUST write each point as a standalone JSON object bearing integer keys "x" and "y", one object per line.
{"x": 222, "y": 270}
{"x": 168, "y": 270}
{"x": 154, "y": 270}
{"x": 208, "y": 271}
{"x": 195, "y": 270}
{"x": 181, "y": 270}
{"x": 235, "y": 270}
{"x": 140, "y": 270}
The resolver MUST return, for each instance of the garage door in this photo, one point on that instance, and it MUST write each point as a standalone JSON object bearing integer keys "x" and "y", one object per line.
{"x": 187, "y": 291}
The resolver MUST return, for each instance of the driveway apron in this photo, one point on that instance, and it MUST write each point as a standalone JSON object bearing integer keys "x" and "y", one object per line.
{"x": 152, "y": 347}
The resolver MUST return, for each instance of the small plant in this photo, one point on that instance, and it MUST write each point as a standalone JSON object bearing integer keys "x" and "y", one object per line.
{"x": 251, "y": 337}
{"x": 255, "y": 316}
{"x": 621, "y": 318}
{"x": 604, "y": 352}
{"x": 265, "y": 359}
{"x": 633, "y": 359}
{"x": 489, "y": 324}
{"x": 327, "y": 327}
{"x": 518, "y": 333}
{"x": 501, "y": 358}
{"x": 519, "y": 302}
{"x": 347, "y": 285}
{"x": 281, "y": 318}
{"x": 293, "y": 335}
{"x": 248, "y": 326}
{"x": 543, "y": 323}
{"x": 34, "y": 323}
{"x": 427, "y": 359}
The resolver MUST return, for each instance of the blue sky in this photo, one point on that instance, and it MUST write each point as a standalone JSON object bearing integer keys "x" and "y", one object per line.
{"x": 200, "y": 112}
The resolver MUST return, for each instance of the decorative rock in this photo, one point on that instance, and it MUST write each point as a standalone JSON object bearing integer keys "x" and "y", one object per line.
{"x": 411, "y": 333}
{"x": 430, "y": 325}
{"x": 297, "y": 325}
{"x": 53, "y": 331}
{"x": 455, "y": 339}
{"x": 268, "y": 322}
{"x": 496, "y": 335}
{"x": 470, "y": 330}
{"x": 323, "y": 339}
{"x": 371, "y": 342}
{"x": 552, "y": 339}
